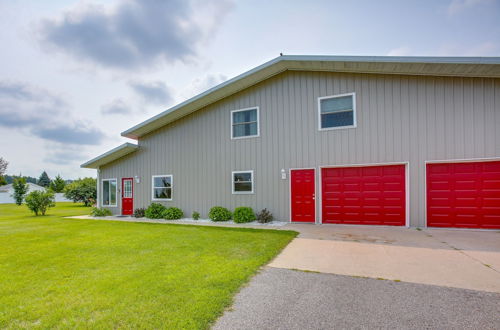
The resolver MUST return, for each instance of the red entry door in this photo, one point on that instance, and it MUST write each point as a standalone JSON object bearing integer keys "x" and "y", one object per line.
{"x": 302, "y": 196}
{"x": 127, "y": 196}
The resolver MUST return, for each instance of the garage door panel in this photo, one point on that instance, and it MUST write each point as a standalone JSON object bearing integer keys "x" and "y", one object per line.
{"x": 490, "y": 167}
{"x": 364, "y": 195}
{"x": 464, "y": 195}
{"x": 491, "y": 182}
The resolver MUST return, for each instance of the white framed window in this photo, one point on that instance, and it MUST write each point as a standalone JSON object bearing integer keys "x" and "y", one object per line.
{"x": 162, "y": 186}
{"x": 337, "y": 111}
{"x": 109, "y": 192}
{"x": 242, "y": 182}
{"x": 245, "y": 123}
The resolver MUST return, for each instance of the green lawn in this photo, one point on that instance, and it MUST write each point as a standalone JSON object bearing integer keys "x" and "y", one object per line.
{"x": 66, "y": 273}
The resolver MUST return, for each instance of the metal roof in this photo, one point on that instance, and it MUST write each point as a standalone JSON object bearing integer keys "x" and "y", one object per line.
{"x": 406, "y": 65}
{"x": 111, "y": 155}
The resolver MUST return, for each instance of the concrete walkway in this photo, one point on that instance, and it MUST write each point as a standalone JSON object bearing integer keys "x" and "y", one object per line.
{"x": 452, "y": 258}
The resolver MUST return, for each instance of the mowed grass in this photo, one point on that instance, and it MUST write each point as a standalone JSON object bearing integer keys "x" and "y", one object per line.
{"x": 68, "y": 273}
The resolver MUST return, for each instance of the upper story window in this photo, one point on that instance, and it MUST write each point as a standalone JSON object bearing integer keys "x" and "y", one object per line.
{"x": 242, "y": 182}
{"x": 338, "y": 111}
{"x": 245, "y": 123}
{"x": 109, "y": 192}
{"x": 162, "y": 187}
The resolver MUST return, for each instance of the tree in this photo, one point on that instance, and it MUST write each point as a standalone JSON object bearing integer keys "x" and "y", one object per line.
{"x": 58, "y": 184}
{"x": 40, "y": 201}
{"x": 20, "y": 189}
{"x": 82, "y": 190}
{"x": 3, "y": 166}
{"x": 44, "y": 180}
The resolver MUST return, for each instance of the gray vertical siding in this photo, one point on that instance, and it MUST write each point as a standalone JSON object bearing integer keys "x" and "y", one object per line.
{"x": 399, "y": 119}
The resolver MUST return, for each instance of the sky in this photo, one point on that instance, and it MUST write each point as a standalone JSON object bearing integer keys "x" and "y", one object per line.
{"x": 75, "y": 74}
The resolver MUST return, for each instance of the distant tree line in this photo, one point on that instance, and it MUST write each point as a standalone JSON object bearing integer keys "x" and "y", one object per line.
{"x": 8, "y": 179}
{"x": 81, "y": 190}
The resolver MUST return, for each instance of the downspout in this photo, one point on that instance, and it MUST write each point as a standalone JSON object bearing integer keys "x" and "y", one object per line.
{"x": 98, "y": 201}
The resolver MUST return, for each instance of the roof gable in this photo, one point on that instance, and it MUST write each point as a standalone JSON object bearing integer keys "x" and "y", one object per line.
{"x": 431, "y": 66}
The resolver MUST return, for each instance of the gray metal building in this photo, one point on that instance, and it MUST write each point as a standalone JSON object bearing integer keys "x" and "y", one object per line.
{"x": 410, "y": 141}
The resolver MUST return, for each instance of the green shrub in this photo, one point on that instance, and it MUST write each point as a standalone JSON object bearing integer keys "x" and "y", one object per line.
{"x": 82, "y": 190}
{"x": 219, "y": 213}
{"x": 243, "y": 214}
{"x": 264, "y": 216}
{"x": 155, "y": 211}
{"x": 172, "y": 213}
{"x": 40, "y": 201}
{"x": 140, "y": 212}
{"x": 100, "y": 212}
{"x": 196, "y": 215}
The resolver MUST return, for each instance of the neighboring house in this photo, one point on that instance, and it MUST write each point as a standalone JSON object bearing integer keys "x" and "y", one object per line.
{"x": 7, "y": 191}
{"x": 397, "y": 141}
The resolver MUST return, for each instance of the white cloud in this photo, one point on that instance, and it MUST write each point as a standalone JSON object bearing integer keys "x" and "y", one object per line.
{"x": 400, "y": 51}
{"x": 199, "y": 85}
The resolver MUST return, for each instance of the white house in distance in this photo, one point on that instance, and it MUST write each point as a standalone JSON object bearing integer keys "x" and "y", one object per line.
{"x": 400, "y": 141}
{"x": 7, "y": 191}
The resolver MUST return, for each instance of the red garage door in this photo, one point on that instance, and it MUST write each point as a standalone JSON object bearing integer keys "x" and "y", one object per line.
{"x": 464, "y": 195}
{"x": 370, "y": 195}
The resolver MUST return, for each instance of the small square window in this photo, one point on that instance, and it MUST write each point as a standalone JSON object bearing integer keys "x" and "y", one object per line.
{"x": 242, "y": 182}
{"x": 337, "y": 111}
{"x": 244, "y": 123}
{"x": 162, "y": 187}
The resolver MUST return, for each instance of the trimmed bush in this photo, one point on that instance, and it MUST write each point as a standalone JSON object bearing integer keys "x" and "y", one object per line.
{"x": 264, "y": 216}
{"x": 155, "y": 211}
{"x": 219, "y": 213}
{"x": 172, "y": 213}
{"x": 100, "y": 212}
{"x": 140, "y": 212}
{"x": 243, "y": 214}
{"x": 196, "y": 215}
{"x": 40, "y": 201}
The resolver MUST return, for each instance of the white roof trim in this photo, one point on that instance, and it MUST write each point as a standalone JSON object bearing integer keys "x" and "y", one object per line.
{"x": 111, "y": 155}
{"x": 411, "y": 65}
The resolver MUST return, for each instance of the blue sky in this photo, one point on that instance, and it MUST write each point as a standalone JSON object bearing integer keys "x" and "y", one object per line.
{"x": 75, "y": 74}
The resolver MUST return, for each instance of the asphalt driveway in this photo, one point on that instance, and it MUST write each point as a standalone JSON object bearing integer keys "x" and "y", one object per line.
{"x": 360, "y": 277}
{"x": 289, "y": 299}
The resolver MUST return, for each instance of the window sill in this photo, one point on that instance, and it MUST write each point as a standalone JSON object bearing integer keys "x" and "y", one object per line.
{"x": 245, "y": 137}
{"x": 337, "y": 128}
